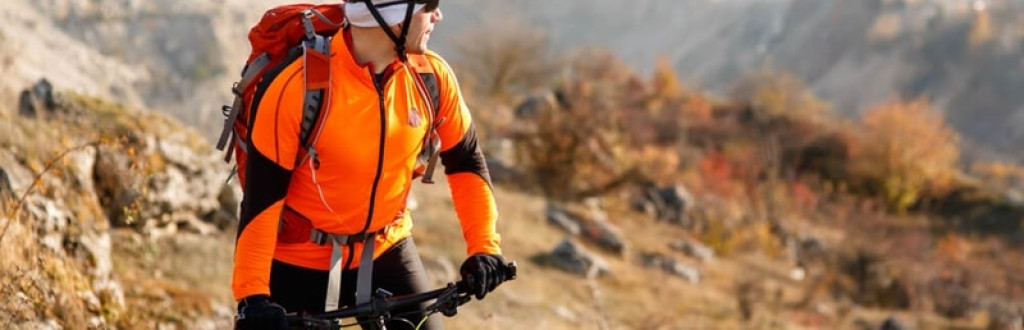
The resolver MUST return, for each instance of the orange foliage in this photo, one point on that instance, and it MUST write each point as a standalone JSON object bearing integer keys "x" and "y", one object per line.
{"x": 909, "y": 151}
{"x": 803, "y": 195}
{"x": 697, "y": 109}
{"x": 778, "y": 94}
{"x": 658, "y": 163}
{"x": 953, "y": 247}
{"x": 665, "y": 81}
{"x": 723, "y": 174}
{"x": 999, "y": 174}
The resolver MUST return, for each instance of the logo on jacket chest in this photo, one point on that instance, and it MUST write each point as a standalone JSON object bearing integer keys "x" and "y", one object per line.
{"x": 414, "y": 118}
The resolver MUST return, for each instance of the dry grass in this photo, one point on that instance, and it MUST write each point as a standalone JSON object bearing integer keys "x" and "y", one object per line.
{"x": 35, "y": 284}
{"x": 13, "y": 271}
{"x": 174, "y": 281}
{"x": 184, "y": 281}
{"x": 40, "y": 283}
{"x": 545, "y": 298}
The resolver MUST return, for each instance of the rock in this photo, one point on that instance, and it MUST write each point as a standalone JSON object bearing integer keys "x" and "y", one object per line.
{"x": 565, "y": 313}
{"x": 607, "y": 236}
{"x": 180, "y": 187}
{"x": 34, "y": 100}
{"x": 673, "y": 267}
{"x": 561, "y": 218}
{"x": 602, "y": 232}
{"x": 18, "y": 177}
{"x": 115, "y": 185}
{"x": 892, "y": 323}
{"x": 502, "y": 162}
{"x": 672, "y": 204}
{"x": 694, "y": 249}
{"x": 575, "y": 259}
{"x": 690, "y": 273}
{"x": 677, "y": 203}
{"x": 7, "y": 195}
{"x": 536, "y": 105}
{"x": 644, "y": 204}
{"x": 52, "y": 222}
{"x": 594, "y": 229}
{"x": 96, "y": 246}
{"x": 81, "y": 163}
{"x": 229, "y": 200}
{"x": 110, "y": 293}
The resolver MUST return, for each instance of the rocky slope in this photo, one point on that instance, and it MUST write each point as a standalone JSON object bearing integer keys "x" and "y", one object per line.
{"x": 181, "y": 56}
{"x": 74, "y": 171}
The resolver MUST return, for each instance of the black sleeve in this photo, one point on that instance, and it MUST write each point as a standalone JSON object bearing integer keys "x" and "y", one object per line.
{"x": 266, "y": 183}
{"x": 466, "y": 156}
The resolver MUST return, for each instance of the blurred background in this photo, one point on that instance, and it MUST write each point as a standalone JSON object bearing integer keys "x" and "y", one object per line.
{"x": 659, "y": 164}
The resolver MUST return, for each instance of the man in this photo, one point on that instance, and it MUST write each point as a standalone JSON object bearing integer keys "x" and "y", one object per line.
{"x": 342, "y": 210}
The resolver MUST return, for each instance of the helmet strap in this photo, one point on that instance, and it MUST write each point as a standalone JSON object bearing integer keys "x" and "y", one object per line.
{"x": 399, "y": 40}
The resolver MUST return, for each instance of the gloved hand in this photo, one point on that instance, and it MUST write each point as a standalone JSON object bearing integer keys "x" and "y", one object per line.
{"x": 483, "y": 272}
{"x": 257, "y": 312}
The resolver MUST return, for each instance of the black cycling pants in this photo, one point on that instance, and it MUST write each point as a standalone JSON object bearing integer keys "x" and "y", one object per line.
{"x": 399, "y": 270}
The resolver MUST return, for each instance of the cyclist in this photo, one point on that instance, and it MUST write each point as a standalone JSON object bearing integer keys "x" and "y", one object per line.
{"x": 342, "y": 210}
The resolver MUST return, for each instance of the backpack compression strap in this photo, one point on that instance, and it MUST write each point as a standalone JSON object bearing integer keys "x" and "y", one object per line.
{"x": 249, "y": 74}
{"x": 317, "y": 71}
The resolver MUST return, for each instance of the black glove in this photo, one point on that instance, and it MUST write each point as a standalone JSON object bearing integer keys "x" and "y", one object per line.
{"x": 257, "y": 312}
{"x": 482, "y": 273}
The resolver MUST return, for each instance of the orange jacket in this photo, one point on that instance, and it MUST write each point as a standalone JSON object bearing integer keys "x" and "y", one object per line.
{"x": 367, "y": 153}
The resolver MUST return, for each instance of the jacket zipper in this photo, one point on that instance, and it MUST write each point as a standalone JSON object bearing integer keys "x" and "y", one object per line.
{"x": 377, "y": 83}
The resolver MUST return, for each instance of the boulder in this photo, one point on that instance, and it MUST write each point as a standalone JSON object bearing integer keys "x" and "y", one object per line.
{"x": 892, "y": 323}
{"x": 36, "y": 99}
{"x": 178, "y": 187}
{"x": 573, "y": 258}
{"x": 694, "y": 249}
{"x": 671, "y": 266}
{"x": 677, "y": 203}
{"x": 672, "y": 204}
{"x": 594, "y": 228}
{"x": 602, "y": 232}
{"x": 537, "y": 104}
{"x": 562, "y": 219}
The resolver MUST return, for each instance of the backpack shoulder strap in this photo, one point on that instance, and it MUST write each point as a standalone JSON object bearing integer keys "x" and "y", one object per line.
{"x": 317, "y": 72}
{"x": 429, "y": 87}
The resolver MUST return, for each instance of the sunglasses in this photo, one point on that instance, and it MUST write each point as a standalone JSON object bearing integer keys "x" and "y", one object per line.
{"x": 428, "y": 5}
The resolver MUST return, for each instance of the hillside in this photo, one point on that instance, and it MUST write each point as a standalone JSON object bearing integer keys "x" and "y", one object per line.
{"x": 181, "y": 56}
{"x": 110, "y": 209}
{"x": 757, "y": 178}
{"x": 852, "y": 54}
{"x": 126, "y": 204}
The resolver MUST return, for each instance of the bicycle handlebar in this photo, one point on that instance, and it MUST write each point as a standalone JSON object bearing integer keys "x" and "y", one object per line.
{"x": 447, "y": 299}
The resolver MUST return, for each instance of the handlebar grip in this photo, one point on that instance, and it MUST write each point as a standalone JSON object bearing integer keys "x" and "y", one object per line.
{"x": 511, "y": 272}
{"x": 511, "y": 268}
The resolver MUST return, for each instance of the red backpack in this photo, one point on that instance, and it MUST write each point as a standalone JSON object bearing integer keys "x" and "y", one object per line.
{"x": 286, "y": 34}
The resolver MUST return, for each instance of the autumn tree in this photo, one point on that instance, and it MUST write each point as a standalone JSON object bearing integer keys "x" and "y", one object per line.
{"x": 908, "y": 152}
{"x": 772, "y": 93}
